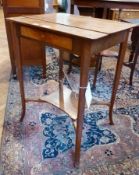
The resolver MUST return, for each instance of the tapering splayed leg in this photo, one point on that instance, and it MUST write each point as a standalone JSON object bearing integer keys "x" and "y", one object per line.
{"x": 15, "y": 32}
{"x": 84, "y": 67}
{"x": 122, "y": 51}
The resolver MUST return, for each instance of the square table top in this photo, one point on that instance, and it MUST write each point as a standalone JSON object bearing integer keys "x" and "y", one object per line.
{"x": 79, "y": 26}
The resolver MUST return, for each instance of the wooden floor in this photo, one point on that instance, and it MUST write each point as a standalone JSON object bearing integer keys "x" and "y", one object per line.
{"x": 5, "y": 70}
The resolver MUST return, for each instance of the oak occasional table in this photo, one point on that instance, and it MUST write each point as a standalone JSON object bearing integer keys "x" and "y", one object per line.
{"x": 80, "y": 35}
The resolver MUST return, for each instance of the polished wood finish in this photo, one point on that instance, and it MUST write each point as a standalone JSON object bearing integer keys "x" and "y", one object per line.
{"x": 33, "y": 53}
{"x": 84, "y": 36}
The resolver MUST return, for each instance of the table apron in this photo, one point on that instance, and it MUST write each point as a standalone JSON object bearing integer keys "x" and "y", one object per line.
{"x": 71, "y": 43}
{"x": 108, "y": 41}
{"x": 51, "y": 38}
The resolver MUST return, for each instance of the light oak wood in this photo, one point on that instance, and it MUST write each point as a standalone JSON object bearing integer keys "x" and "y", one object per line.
{"x": 83, "y": 22}
{"x": 43, "y": 36}
{"x": 56, "y": 22}
{"x": 35, "y": 20}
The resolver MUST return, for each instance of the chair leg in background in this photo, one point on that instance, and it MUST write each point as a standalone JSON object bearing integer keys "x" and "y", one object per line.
{"x": 70, "y": 63}
{"x": 97, "y": 69}
{"x": 134, "y": 64}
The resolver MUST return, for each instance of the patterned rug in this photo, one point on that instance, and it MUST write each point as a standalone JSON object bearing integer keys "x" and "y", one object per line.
{"x": 44, "y": 143}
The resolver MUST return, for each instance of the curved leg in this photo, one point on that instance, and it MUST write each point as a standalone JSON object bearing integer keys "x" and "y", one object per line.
{"x": 15, "y": 31}
{"x": 23, "y": 113}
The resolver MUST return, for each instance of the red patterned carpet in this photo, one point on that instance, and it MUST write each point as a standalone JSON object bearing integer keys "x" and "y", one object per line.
{"x": 44, "y": 143}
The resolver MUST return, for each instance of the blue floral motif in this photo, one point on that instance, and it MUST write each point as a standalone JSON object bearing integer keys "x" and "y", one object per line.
{"x": 94, "y": 134}
{"x": 60, "y": 134}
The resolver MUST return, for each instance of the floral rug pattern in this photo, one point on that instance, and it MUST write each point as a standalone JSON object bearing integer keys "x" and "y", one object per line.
{"x": 44, "y": 143}
{"x": 60, "y": 134}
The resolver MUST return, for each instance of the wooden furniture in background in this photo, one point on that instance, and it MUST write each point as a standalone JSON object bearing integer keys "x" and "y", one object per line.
{"x": 127, "y": 5}
{"x": 33, "y": 52}
{"x": 125, "y": 14}
{"x": 100, "y": 9}
{"x": 76, "y": 35}
{"x": 134, "y": 53}
{"x": 134, "y": 48}
{"x": 106, "y": 4}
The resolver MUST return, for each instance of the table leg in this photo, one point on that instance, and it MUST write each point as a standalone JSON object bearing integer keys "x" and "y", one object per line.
{"x": 61, "y": 76}
{"x": 11, "y": 50}
{"x": 15, "y": 32}
{"x": 97, "y": 69}
{"x": 61, "y": 65}
{"x": 84, "y": 67}
{"x": 121, "y": 56}
{"x": 70, "y": 63}
{"x": 43, "y": 62}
